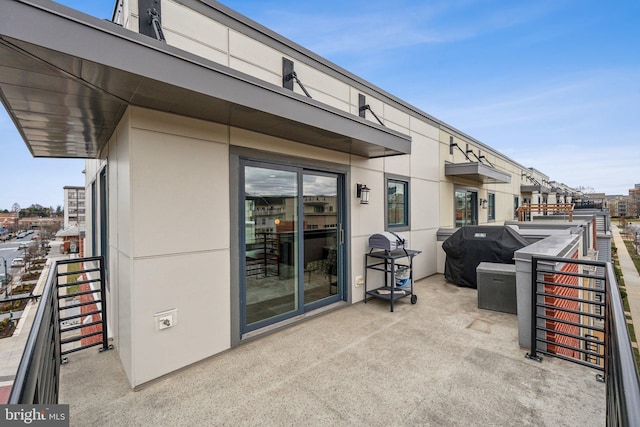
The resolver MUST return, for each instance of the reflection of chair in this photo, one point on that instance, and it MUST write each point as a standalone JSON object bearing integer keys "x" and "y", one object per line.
{"x": 327, "y": 266}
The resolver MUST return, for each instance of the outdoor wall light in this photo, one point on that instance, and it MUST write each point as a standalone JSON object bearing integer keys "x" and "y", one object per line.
{"x": 362, "y": 193}
{"x": 484, "y": 203}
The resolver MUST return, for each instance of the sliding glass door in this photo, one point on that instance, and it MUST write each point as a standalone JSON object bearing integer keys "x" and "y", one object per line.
{"x": 321, "y": 236}
{"x": 466, "y": 205}
{"x": 292, "y": 237}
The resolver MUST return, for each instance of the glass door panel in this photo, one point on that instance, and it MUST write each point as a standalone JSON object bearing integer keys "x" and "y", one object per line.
{"x": 321, "y": 224}
{"x": 460, "y": 200}
{"x": 270, "y": 246}
{"x": 471, "y": 208}
{"x": 466, "y": 207}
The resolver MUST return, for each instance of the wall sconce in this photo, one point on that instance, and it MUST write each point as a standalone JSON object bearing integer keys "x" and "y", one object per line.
{"x": 484, "y": 203}
{"x": 362, "y": 193}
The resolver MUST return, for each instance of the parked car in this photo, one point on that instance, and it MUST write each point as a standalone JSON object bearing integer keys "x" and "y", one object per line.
{"x": 20, "y": 235}
{"x": 17, "y": 262}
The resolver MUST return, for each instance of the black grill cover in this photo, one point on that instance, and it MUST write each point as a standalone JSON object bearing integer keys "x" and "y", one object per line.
{"x": 473, "y": 244}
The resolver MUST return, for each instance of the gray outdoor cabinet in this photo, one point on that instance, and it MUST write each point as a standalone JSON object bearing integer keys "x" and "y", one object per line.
{"x": 497, "y": 287}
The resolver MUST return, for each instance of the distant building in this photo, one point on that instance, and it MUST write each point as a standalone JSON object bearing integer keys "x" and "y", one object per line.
{"x": 619, "y": 206}
{"x": 634, "y": 201}
{"x": 74, "y": 209}
{"x": 9, "y": 221}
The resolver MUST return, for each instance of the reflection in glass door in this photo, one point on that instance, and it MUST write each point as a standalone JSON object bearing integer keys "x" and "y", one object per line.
{"x": 321, "y": 236}
{"x": 292, "y": 242}
{"x": 270, "y": 243}
{"x": 466, "y": 203}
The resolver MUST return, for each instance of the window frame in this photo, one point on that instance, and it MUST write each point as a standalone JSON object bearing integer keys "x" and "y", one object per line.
{"x": 491, "y": 207}
{"x": 406, "y": 181}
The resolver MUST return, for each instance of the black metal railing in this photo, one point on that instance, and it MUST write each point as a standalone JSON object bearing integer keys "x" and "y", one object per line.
{"x": 263, "y": 256}
{"x": 577, "y": 315}
{"x": 81, "y": 295}
{"x": 38, "y": 375}
{"x": 589, "y": 204}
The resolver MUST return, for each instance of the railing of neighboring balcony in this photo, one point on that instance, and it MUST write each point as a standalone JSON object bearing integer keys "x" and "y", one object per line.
{"x": 589, "y": 204}
{"x": 577, "y": 315}
{"x": 525, "y": 211}
{"x": 72, "y": 302}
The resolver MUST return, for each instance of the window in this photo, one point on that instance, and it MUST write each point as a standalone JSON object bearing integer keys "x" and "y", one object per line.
{"x": 397, "y": 202}
{"x": 492, "y": 207}
{"x": 516, "y": 202}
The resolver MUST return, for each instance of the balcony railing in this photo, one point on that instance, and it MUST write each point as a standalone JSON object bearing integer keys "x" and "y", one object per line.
{"x": 38, "y": 375}
{"x": 589, "y": 204}
{"x": 577, "y": 315}
{"x": 525, "y": 211}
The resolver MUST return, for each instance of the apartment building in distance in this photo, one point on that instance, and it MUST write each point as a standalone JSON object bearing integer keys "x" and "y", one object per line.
{"x": 74, "y": 206}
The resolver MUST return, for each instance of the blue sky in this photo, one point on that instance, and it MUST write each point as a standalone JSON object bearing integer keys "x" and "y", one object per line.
{"x": 554, "y": 85}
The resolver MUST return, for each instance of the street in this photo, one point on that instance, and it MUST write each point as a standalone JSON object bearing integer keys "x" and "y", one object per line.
{"x": 9, "y": 251}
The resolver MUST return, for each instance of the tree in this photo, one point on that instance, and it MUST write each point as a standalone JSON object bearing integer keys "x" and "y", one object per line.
{"x": 16, "y": 211}
{"x": 586, "y": 190}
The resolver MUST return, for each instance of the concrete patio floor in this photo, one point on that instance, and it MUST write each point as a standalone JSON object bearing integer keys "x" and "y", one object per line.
{"x": 441, "y": 362}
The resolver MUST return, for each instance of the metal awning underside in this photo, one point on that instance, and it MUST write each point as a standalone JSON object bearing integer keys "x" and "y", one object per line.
{"x": 67, "y": 78}
{"x": 478, "y": 172}
{"x": 538, "y": 188}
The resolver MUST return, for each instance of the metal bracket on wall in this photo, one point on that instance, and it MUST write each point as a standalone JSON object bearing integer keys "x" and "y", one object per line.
{"x": 151, "y": 26}
{"x": 485, "y": 158}
{"x": 363, "y": 107}
{"x": 289, "y": 75}
{"x": 479, "y": 156}
{"x": 454, "y": 144}
{"x": 469, "y": 150}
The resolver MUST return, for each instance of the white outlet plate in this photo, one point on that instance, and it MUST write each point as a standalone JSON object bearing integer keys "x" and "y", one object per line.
{"x": 165, "y": 319}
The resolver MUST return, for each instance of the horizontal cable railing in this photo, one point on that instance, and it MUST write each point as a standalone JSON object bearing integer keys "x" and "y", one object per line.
{"x": 577, "y": 315}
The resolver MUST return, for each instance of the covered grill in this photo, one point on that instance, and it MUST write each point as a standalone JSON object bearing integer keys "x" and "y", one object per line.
{"x": 471, "y": 245}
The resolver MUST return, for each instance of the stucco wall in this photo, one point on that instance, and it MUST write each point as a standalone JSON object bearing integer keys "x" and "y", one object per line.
{"x": 179, "y": 240}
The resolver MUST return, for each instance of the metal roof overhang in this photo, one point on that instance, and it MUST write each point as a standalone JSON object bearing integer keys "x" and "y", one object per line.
{"x": 535, "y": 189}
{"x": 476, "y": 171}
{"x": 67, "y": 78}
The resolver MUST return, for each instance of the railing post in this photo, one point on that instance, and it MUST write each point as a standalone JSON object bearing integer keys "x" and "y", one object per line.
{"x": 534, "y": 311}
{"x": 103, "y": 306}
